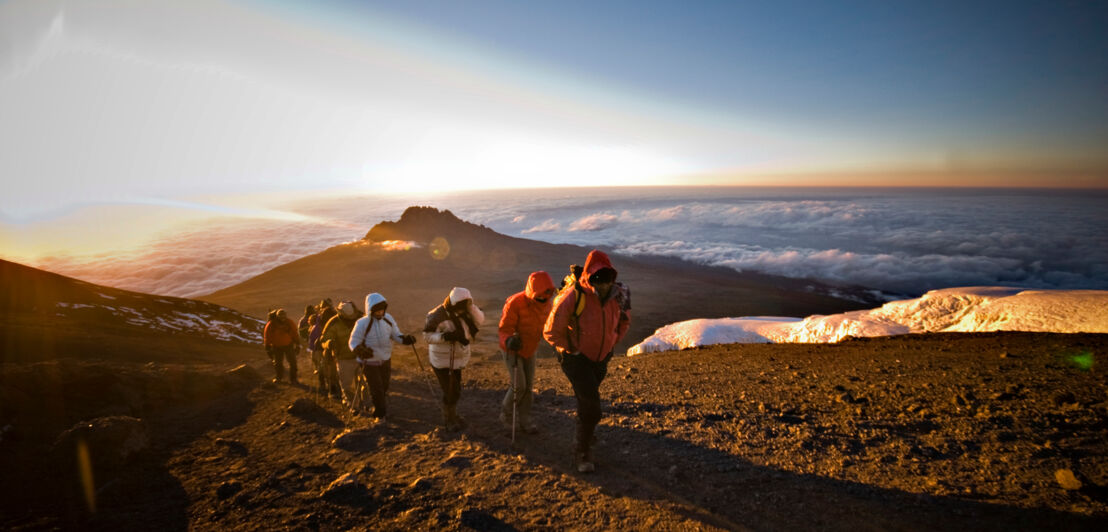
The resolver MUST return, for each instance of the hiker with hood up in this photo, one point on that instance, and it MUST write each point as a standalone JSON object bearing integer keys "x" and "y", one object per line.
{"x": 521, "y": 325}
{"x": 585, "y": 340}
{"x": 448, "y": 331}
{"x": 336, "y": 340}
{"x": 376, "y": 332}
{"x": 282, "y": 342}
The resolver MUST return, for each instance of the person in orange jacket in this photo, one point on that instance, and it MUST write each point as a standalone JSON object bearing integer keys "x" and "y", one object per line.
{"x": 282, "y": 342}
{"x": 521, "y": 325}
{"x": 585, "y": 342}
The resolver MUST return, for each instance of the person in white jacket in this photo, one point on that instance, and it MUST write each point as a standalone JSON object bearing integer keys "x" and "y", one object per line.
{"x": 377, "y": 331}
{"x": 449, "y": 330}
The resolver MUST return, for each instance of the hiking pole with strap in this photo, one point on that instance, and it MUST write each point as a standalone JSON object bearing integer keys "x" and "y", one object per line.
{"x": 423, "y": 371}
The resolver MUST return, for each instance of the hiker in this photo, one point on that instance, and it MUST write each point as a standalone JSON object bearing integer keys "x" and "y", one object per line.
{"x": 571, "y": 279}
{"x": 584, "y": 338}
{"x": 324, "y": 361}
{"x": 374, "y": 335}
{"x": 336, "y": 340}
{"x": 282, "y": 342}
{"x": 520, "y": 329}
{"x": 304, "y": 326}
{"x": 449, "y": 329}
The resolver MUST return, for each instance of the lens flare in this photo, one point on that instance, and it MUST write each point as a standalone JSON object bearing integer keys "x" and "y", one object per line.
{"x": 440, "y": 248}
{"x": 84, "y": 466}
{"x": 1083, "y": 361}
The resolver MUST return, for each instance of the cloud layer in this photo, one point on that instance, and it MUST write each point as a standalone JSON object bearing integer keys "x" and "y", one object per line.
{"x": 904, "y": 242}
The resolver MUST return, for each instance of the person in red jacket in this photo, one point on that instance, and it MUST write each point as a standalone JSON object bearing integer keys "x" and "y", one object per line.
{"x": 282, "y": 342}
{"x": 521, "y": 325}
{"x": 585, "y": 342}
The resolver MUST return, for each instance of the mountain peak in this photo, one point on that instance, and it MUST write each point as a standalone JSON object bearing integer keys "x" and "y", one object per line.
{"x": 422, "y": 224}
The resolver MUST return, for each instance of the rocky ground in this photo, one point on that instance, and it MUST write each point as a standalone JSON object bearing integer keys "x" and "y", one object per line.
{"x": 993, "y": 431}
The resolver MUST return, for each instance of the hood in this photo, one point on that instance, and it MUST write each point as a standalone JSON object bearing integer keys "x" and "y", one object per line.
{"x": 596, "y": 261}
{"x": 458, "y": 294}
{"x": 537, "y": 283}
{"x": 373, "y": 299}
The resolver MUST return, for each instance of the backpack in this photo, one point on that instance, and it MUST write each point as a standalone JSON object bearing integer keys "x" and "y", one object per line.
{"x": 363, "y": 351}
{"x": 622, "y": 296}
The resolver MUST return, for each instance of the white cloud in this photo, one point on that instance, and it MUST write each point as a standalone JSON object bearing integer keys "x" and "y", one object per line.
{"x": 545, "y": 227}
{"x": 594, "y": 222}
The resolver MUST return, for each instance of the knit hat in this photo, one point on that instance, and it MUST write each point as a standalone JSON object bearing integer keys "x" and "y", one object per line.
{"x": 346, "y": 308}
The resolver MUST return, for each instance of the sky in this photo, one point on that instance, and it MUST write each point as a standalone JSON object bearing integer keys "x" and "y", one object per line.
{"x": 117, "y": 116}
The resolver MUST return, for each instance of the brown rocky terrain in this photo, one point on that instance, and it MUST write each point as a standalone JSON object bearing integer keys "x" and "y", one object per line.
{"x": 998, "y": 431}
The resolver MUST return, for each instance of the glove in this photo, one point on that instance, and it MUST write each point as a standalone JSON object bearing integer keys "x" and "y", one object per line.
{"x": 513, "y": 343}
{"x": 453, "y": 336}
{"x": 463, "y": 341}
{"x": 407, "y": 339}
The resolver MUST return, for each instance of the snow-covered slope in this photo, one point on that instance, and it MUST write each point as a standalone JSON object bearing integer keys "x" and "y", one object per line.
{"x": 972, "y": 309}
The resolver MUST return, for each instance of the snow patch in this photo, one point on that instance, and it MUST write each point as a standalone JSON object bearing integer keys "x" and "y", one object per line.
{"x": 239, "y": 329}
{"x": 968, "y": 309}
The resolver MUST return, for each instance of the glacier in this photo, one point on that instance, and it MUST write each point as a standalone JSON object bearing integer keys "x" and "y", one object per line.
{"x": 963, "y": 309}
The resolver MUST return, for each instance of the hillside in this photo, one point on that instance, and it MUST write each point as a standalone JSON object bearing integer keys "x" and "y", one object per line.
{"x": 998, "y": 431}
{"x": 416, "y": 260}
{"x": 45, "y": 316}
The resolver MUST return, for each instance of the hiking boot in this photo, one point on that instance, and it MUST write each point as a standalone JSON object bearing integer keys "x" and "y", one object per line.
{"x": 453, "y": 420}
{"x": 527, "y": 427}
{"x": 447, "y": 418}
{"x": 582, "y": 460}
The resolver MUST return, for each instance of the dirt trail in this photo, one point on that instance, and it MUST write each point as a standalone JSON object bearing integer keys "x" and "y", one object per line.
{"x": 910, "y": 433}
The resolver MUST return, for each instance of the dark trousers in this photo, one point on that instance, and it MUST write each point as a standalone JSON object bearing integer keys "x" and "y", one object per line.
{"x": 279, "y": 355}
{"x": 451, "y": 383}
{"x": 585, "y": 376}
{"x": 378, "y": 379}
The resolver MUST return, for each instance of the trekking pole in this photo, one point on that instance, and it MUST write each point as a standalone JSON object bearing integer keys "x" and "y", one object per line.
{"x": 515, "y": 393}
{"x": 423, "y": 371}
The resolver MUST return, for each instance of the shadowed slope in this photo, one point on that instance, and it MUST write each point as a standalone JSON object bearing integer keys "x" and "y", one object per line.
{"x": 44, "y": 316}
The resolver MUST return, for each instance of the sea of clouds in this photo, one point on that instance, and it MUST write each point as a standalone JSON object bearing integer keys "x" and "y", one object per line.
{"x": 900, "y": 241}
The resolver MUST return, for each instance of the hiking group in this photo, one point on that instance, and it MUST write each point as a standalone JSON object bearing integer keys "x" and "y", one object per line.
{"x": 583, "y": 320}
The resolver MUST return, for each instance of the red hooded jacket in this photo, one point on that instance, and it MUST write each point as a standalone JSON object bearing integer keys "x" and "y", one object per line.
{"x": 601, "y": 324}
{"x": 523, "y": 315}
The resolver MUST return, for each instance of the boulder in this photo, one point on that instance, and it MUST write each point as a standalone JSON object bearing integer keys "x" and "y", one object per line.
{"x": 111, "y": 441}
{"x": 345, "y": 490}
{"x": 355, "y": 440}
{"x": 1067, "y": 480}
{"x": 245, "y": 373}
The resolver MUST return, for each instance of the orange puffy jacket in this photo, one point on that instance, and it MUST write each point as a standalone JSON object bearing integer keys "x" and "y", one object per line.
{"x": 601, "y": 324}
{"x": 526, "y": 316}
{"x": 277, "y": 334}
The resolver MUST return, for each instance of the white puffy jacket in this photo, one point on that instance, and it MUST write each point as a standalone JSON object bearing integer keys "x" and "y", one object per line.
{"x": 438, "y": 322}
{"x": 377, "y": 334}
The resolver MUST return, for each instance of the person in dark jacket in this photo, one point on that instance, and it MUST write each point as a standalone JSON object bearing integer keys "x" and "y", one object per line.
{"x": 324, "y": 360}
{"x": 585, "y": 342}
{"x": 449, "y": 330}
